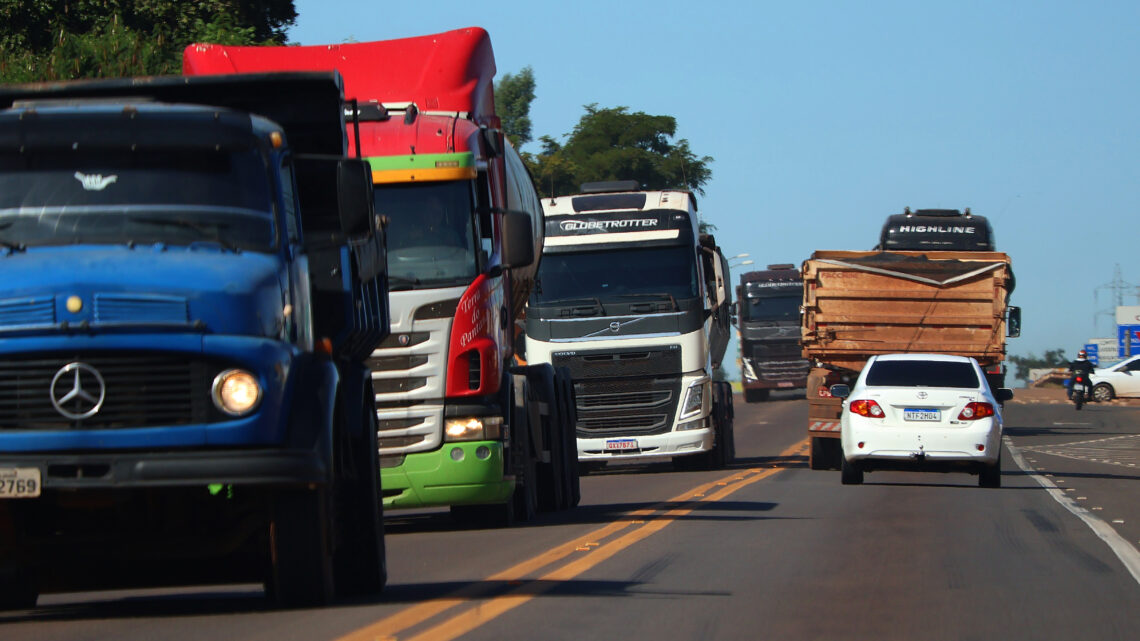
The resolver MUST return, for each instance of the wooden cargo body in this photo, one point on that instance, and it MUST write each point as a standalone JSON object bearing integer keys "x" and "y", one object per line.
{"x": 861, "y": 303}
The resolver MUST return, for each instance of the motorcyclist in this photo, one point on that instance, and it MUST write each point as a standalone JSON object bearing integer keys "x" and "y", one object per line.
{"x": 1082, "y": 366}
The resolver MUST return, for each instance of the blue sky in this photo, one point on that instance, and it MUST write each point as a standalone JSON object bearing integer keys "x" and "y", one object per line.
{"x": 824, "y": 117}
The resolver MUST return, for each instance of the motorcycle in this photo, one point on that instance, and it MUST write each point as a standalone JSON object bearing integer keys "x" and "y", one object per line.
{"x": 1079, "y": 389}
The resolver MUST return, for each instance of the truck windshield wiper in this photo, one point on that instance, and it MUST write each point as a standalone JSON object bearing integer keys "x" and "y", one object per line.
{"x": 580, "y": 304}
{"x": 211, "y": 233}
{"x": 7, "y": 244}
{"x": 396, "y": 283}
{"x": 662, "y": 296}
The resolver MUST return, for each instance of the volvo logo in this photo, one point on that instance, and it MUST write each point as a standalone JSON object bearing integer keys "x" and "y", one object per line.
{"x": 78, "y": 391}
{"x": 615, "y": 326}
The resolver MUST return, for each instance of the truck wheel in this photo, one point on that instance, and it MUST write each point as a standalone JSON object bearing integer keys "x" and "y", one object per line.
{"x": 551, "y": 475}
{"x": 299, "y": 539}
{"x": 18, "y": 589}
{"x": 817, "y": 459}
{"x": 755, "y": 395}
{"x": 361, "y": 568}
{"x": 567, "y": 418}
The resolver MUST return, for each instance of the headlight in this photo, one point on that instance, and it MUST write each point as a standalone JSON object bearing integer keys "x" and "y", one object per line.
{"x": 236, "y": 392}
{"x": 694, "y": 398}
{"x": 474, "y": 428}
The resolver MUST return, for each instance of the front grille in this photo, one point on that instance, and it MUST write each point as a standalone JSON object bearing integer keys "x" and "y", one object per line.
{"x": 620, "y": 363}
{"x": 395, "y": 363}
{"x": 765, "y": 351}
{"x": 397, "y": 385}
{"x": 140, "y": 391}
{"x": 626, "y": 406}
{"x": 27, "y": 311}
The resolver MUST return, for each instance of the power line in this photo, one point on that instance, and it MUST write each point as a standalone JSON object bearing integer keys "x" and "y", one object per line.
{"x": 1118, "y": 288}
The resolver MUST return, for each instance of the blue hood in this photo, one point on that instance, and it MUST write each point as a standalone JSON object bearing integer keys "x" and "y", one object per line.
{"x": 199, "y": 288}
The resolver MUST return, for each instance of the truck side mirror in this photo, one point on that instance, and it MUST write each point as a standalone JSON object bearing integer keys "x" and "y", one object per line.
{"x": 1003, "y": 394}
{"x": 518, "y": 239}
{"x": 1013, "y": 322}
{"x": 734, "y": 312}
{"x": 355, "y": 197}
{"x": 840, "y": 390}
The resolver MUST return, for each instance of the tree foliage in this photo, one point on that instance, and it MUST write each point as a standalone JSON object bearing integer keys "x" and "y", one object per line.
{"x": 66, "y": 39}
{"x": 616, "y": 144}
{"x": 1051, "y": 358}
{"x": 513, "y": 96}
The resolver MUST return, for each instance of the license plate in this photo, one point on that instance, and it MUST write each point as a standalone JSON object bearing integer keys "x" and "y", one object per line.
{"x": 922, "y": 415}
{"x": 784, "y": 384}
{"x": 19, "y": 482}
{"x": 1078, "y": 387}
{"x": 621, "y": 444}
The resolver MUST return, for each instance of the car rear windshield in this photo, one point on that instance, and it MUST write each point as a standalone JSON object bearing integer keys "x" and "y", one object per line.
{"x": 922, "y": 374}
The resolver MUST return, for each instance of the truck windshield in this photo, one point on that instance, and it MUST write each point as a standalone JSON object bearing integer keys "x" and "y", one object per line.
{"x": 431, "y": 239}
{"x": 611, "y": 275}
{"x": 101, "y": 196}
{"x": 773, "y": 308}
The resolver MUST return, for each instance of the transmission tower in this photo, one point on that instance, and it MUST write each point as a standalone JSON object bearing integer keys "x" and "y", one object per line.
{"x": 1118, "y": 289}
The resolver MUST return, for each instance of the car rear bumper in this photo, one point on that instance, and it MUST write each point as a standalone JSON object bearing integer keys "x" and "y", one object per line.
{"x": 979, "y": 443}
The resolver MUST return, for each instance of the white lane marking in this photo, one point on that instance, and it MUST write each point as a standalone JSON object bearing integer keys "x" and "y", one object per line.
{"x": 1059, "y": 423}
{"x": 1123, "y": 550}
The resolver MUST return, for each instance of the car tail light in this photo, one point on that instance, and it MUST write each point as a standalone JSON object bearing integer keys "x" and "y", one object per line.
{"x": 868, "y": 408}
{"x": 974, "y": 411}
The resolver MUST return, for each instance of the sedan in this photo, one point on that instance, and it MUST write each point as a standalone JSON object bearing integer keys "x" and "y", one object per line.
{"x": 1121, "y": 379}
{"x": 921, "y": 412}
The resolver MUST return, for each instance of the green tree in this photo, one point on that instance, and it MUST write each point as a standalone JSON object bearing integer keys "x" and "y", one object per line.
{"x": 1052, "y": 358}
{"x": 616, "y": 144}
{"x": 66, "y": 39}
{"x": 513, "y": 95}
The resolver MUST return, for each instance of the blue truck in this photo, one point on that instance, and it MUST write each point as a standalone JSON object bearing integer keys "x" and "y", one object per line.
{"x": 192, "y": 275}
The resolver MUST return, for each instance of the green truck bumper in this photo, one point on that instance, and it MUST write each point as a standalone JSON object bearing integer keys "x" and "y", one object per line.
{"x": 443, "y": 477}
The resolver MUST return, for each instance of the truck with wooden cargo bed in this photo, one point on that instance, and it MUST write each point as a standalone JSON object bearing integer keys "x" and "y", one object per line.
{"x": 934, "y": 284}
{"x": 193, "y": 278}
{"x": 461, "y": 423}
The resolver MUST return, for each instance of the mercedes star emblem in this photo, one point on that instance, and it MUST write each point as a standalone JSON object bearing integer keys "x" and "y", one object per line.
{"x": 78, "y": 391}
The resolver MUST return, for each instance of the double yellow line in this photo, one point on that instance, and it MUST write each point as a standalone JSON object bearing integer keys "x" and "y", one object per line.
{"x": 584, "y": 553}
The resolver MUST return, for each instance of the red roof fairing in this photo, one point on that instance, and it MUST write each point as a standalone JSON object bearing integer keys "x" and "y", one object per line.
{"x": 450, "y": 71}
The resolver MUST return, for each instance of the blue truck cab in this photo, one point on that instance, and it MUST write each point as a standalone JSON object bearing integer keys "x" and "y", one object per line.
{"x": 191, "y": 278}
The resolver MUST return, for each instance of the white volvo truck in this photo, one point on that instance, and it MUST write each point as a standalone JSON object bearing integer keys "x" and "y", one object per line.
{"x": 633, "y": 301}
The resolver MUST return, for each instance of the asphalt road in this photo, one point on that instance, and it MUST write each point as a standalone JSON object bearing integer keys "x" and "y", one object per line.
{"x": 767, "y": 549}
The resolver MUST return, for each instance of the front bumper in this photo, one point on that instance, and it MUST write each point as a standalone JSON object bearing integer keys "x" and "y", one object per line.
{"x": 467, "y": 473}
{"x": 648, "y": 447}
{"x": 280, "y": 468}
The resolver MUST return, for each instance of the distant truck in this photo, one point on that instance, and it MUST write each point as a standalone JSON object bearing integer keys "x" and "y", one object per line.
{"x": 769, "y": 325}
{"x": 632, "y": 299}
{"x": 461, "y": 424}
{"x": 193, "y": 279}
{"x": 915, "y": 296}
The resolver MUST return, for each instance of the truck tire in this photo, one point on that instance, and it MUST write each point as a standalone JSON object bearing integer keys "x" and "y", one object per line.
{"x": 755, "y": 395}
{"x": 302, "y": 572}
{"x": 360, "y": 563}
{"x": 552, "y": 484}
{"x": 568, "y": 418}
{"x": 817, "y": 460}
{"x": 18, "y": 589}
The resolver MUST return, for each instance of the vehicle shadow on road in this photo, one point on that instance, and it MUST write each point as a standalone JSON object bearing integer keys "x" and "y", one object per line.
{"x": 419, "y": 592}
{"x": 212, "y": 600}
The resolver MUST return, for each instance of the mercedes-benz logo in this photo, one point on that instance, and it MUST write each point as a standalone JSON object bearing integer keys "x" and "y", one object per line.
{"x": 80, "y": 389}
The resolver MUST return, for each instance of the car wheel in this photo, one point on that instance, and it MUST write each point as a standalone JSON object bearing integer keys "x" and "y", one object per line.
{"x": 990, "y": 476}
{"x": 1103, "y": 393}
{"x": 850, "y": 473}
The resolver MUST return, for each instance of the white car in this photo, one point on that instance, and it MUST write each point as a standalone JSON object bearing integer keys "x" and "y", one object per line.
{"x": 1121, "y": 379}
{"x": 921, "y": 412}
